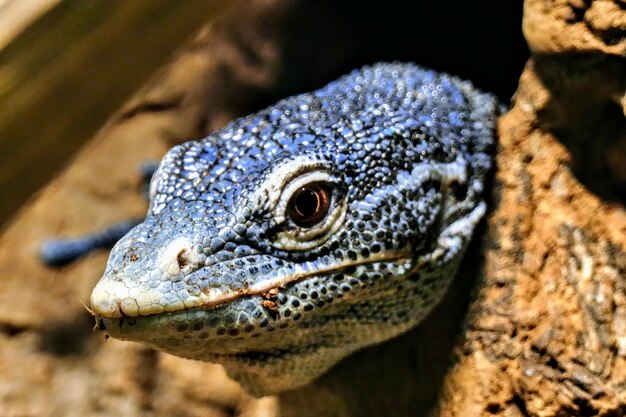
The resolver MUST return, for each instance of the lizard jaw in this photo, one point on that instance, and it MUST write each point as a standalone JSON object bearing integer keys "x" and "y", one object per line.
{"x": 116, "y": 297}
{"x": 258, "y": 357}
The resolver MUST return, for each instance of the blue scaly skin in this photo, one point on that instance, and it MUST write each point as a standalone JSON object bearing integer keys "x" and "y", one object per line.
{"x": 299, "y": 234}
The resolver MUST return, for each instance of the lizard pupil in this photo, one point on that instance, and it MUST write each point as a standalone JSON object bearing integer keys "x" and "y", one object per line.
{"x": 309, "y": 205}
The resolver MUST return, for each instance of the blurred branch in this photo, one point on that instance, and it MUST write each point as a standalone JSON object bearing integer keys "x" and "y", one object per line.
{"x": 66, "y": 74}
{"x": 17, "y": 15}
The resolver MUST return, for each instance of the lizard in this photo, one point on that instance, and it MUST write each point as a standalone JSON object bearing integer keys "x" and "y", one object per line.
{"x": 292, "y": 237}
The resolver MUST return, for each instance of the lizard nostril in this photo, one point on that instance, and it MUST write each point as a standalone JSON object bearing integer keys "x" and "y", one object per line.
{"x": 182, "y": 259}
{"x": 179, "y": 256}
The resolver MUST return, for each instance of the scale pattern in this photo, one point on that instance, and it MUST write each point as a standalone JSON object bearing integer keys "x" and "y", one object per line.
{"x": 218, "y": 271}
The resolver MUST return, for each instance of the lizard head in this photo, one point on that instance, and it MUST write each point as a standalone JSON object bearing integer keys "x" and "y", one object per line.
{"x": 297, "y": 235}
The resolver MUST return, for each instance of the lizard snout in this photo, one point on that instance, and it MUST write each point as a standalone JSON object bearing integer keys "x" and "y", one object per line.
{"x": 135, "y": 286}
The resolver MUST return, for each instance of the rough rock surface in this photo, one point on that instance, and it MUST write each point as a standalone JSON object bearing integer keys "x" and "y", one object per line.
{"x": 545, "y": 334}
{"x": 546, "y": 331}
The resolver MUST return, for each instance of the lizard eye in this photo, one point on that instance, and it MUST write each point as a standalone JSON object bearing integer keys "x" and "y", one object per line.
{"x": 310, "y": 209}
{"x": 309, "y": 204}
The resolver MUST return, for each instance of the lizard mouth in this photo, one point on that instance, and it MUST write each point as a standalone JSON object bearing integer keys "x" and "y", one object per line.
{"x": 206, "y": 330}
{"x": 116, "y": 297}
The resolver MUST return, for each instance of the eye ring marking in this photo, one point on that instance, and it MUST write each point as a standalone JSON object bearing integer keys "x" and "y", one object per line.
{"x": 310, "y": 204}
{"x": 309, "y": 232}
